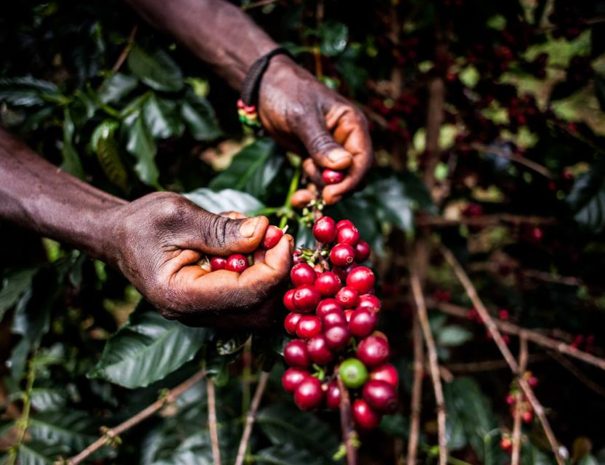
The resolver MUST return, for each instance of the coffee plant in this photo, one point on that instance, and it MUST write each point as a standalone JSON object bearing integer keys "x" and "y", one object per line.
{"x": 484, "y": 212}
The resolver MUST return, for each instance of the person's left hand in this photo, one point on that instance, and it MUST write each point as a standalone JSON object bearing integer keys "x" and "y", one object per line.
{"x": 297, "y": 109}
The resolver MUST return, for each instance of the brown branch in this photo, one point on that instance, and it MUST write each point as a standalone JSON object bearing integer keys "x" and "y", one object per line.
{"x": 516, "y": 452}
{"x": 532, "y": 165}
{"x": 212, "y": 421}
{"x": 488, "y": 321}
{"x": 488, "y": 365}
{"x": 349, "y": 435}
{"x": 111, "y": 434}
{"x": 416, "y": 400}
{"x": 126, "y": 50}
{"x": 433, "y": 361}
{"x": 251, "y": 416}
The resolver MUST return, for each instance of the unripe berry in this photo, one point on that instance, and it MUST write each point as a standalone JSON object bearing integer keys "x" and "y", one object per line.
{"x": 296, "y": 355}
{"x": 329, "y": 176}
{"x": 272, "y": 237}
{"x": 218, "y": 263}
{"x": 291, "y": 322}
{"x": 387, "y": 373}
{"x": 363, "y": 323}
{"x": 292, "y": 377}
{"x": 380, "y": 395}
{"x": 301, "y": 274}
{"x": 319, "y": 351}
{"x": 237, "y": 262}
{"x": 337, "y": 337}
{"x": 361, "y": 278}
{"x": 308, "y": 395}
{"x": 308, "y": 326}
{"x": 342, "y": 255}
{"x": 324, "y": 230}
{"x": 333, "y": 396}
{"x": 306, "y": 298}
{"x": 327, "y": 306}
{"x": 362, "y": 251}
{"x": 364, "y": 416}
{"x": 347, "y": 235}
{"x": 328, "y": 283}
{"x": 353, "y": 373}
{"x": 373, "y": 351}
{"x": 347, "y": 297}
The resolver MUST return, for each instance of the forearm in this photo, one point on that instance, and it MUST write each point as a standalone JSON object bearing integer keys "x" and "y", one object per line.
{"x": 37, "y": 195}
{"x": 216, "y": 31}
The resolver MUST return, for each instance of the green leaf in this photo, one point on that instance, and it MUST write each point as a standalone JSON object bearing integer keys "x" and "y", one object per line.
{"x": 587, "y": 199}
{"x": 199, "y": 117}
{"x": 225, "y": 200}
{"x": 106, "y": 148}
{"x": 161, "y": 118}
{"x": 453, "y": 335}
{"x": 156, "y": 69}
{"x": 71, "y": 159}
{"x": 14, "y": 284}
{"x": 146, "y": 349}
{"x": 116, "y": 87}
{"x": 37, "y": 453}
{"x": 26, "y": 91}
{"x": 194, "y": 450}
{"x": 69, "y": 428}
{"x": 48, "y": 399}
{"x": 288, "y": 454}
{"x": 247, "y": 170}
{"x": 334, "y": 37}
{"x": 140, "y": 143}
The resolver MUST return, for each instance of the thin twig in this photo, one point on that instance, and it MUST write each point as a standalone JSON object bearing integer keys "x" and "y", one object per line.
{"x": 433, "y": 362}
{"x": 489, "y": 323}
{"x": 532, "y": 165}
{"x": 251, "y": 416}
{"x": 126, "y": 50}
{"x": 416, "y": 400}
{"x": 349, "y": 435}
{"x": 516, "y": 452}
{"x": 111, "y": 434}
{"x": 488, "y": 365}
{"x": 212, "y": 421}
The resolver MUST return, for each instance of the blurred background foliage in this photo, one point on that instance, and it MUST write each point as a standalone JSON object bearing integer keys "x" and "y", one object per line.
{"x": 517, "y": 191}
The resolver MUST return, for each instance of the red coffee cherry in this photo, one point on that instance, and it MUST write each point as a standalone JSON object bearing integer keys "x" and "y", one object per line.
{"x": 329, "y": 176}
{"x": 337, "y": 338}
{"x": 333, "y": 396}
{"x": 301, "y": 274}
{"x": 327, "y": 306}
{"x": 344, "y": 223}
{"x": 342, "y": 255}
{"x": 373, "y": 351}
{"x": 292, "y": 377}
{"x": 328, "y": 283}
{"x": 324, "y": 230}
{"x": 288, "y": 300}
{"x": 296, "y": 355}
{"x": 369, "y": 302}
{"x": 306, "y": 298}
{"x": 318, "y": 350}
{"x": 308, "y": 395}
{"x": 347, "y": 235}
{"x": 364, "y": 416}
{"x": 333, "y": 318}
{"x": 362, "y": 323}
{"x": 362, "y": 251}
{"x": 380, "y": 395}
{"x": 387, "y": 373}
{"x": 308, "y": 326}
{"x": 236, "y": 262}
{"x": 291, "y": 322}
{"x": 272, "y": 237}
{"x": 347, "y": 297}
{"x": 348, "y": 314}
{"x": 218, "y": 263}
{"x": 362, "y": 279}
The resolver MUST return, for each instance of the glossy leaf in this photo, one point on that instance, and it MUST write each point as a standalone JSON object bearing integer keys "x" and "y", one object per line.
{"x": 38, "y": 453}
{"x": 26, "y": 91}
{"x": 334, "y": 37}
{"x": 48, "y": 399}
{"x": 140, "y": 143}
{"x": 156, "y": 69}
{"x": 116, "y": 87}
{"x": 453, "y": 335}
{"x": 225, "y": 200}
{"x": 161, "y": 118}
{"x": 71, "y": 159}
{"x": 587, "y": 200}
{"x": 68, "y": 428}
{"x": 199, "y": 117}
{"x": 105, "y": 145}
{"x": 288, "y": 454}
{"x": 146, "y": 349}
{"x": 14, "y": 284}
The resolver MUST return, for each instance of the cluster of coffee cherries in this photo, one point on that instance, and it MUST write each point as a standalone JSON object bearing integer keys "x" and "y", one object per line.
{"x": 332, "y": 318}
{"x": 517, "y": 400}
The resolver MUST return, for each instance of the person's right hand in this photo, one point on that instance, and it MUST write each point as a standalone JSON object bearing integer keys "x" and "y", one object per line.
{"x": 158, "y": 242}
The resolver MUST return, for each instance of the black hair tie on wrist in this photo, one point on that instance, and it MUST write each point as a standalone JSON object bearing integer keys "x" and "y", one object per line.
{"x": 248, "y": 102}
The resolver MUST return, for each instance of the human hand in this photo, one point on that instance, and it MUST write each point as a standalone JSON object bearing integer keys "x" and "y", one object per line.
{"x": 297, "y": 109}
{"x": 158, "y": 242}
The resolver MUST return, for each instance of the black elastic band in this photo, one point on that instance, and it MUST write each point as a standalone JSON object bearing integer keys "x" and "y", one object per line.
{"x": 251, "y": 85}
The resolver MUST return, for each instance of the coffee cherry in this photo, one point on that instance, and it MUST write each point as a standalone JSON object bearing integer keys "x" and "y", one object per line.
{"x": 333, "y": 396}
{"x": 218, "y": 263}
{"x": 344, "y": 223}
{"x": 364, "y": 416}
{"x": 527, "y": 416}
{"x": 296, "y": 355}
{"x": 349, "y": 314}
{"x": 347, "y": 235}
{"x": 327, "y": 283}
{"x": 308, "y": 326}
{"x": 347, "y": 297}
{"x": 272, "y": 237}
{"x": 318, "y": 350}
{"x": 291, "y": 322}
{"x": 342, "y": 255}
{"x": 305, "y": 298}
{"x": 506, "y": 444}
{"x": 363, "y": 323}
{"x": 373, "y": 351}
{"x": 301, "y": 274}
{"x": 380, "y": 395}
{"x": 362, "y": 251}
{"x": 334, "y": 318}
{"x": 387, "y": 373}
{"x": 327, "y": 306}
{"x": 288, "y": 300}
{"x": 369, "y": 302}
{"x": 337, "y": 338}
{"x": 361, "y": 278}
{"x": 308, "y": 395}
{"x": 353, "y": 373}
{"x": 324, "y": 230}
{"x": 329, "y": 176}
{"x": 292, "y": 377}
{"x": 236, "y": 262}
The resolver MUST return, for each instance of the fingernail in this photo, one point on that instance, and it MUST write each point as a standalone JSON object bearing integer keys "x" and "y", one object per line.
{"x": 337, "y": 155}
{"x": 248, "y": 227}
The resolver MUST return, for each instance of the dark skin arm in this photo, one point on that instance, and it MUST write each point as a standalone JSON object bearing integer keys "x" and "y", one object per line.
{"x": 294, "y": 107}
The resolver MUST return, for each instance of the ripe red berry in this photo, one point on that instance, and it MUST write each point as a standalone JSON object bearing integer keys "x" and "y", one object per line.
{"x": 301, "y": 273}
{"x": 361, "y": 278}
{"x": 387, "y": 373}
{"x": 296, "y": 355}
{"x": 237, "y": 262}
{"x": 380, "y": 395}
{"x": 308, "y": 395}
{"x": 364, "y": 416}
{"x": 333, "y": 396}
{"x": 218, "y": 263}
{"x": 327, "y": 306}
{"x": 348, "y": 235}
{"x": 306, "y": 298}
{"x": 272, "y": 237}
{"x": 308, "y": 326}
{"x": 506, "y": 444}
{"x": 292, "y": 377}
{"x": 527, "y": 416}
{"x": 373, "y": 351}
{"x": 349, "y": 314}
{"x": 362, "y": 251}
{"x": 342, "y": 255}
{"x": 347, "y": 297}
{"x": 291, "y": 322}
{"x": 318, "y": 350}
{"x": 353, "y": 373}
{"x": 329, "y": 176}
{"x": 337, "y": 337}
{"x": 344, "y": 223}
{"x": 288, "y": 300}
{"x": 369, "y": 302}
{"x": 363, "y": 323}
{"x": 324, "y": 230}
{"x": 328, "y": 283}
